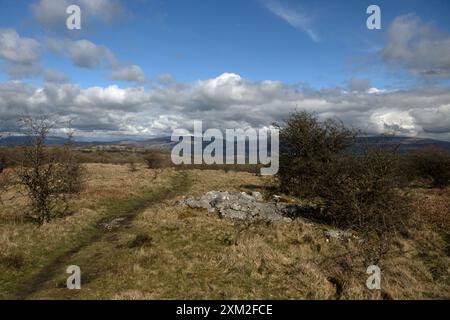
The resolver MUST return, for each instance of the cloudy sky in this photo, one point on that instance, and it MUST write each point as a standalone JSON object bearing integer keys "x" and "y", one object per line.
{"x": 140, "y": 68}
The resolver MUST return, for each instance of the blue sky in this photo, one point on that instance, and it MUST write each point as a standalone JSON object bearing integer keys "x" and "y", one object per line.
{"x": 320, "y": 45}
{"x": 198, "y": 39}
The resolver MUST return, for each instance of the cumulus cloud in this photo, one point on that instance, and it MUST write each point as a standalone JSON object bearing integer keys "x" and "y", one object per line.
{"x": 51, "y": 14}
{"x": 131, "y": 73}
{"x": 55, "y": 76}
{"x": 293, "y": 17}
{"x": 419, "y": 47}
{"x": 20, "y": 55}
{"x": 397, "y": 121}
{"x": 358, "y": 85}
{"x": 165, "y": 79}
{"x": 15, "y": 49}
{"x": 86, "y": 54}
{"x": 228, "y": 101}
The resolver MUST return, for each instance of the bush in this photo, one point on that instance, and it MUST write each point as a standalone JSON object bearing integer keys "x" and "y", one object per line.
{"x": 359, "y": 191}
{"x": 155, "y": 159}
{"x": 48, "y": 174}
{"x": 362, "y": 192}
{"x": 2, "y": 164}
{"x": 431, "y": 164}
{"x": 306, "y": 145}
{"x": 132, "y": 167}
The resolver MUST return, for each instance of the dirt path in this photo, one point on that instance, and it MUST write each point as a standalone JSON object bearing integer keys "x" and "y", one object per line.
{"x": 177, "y": 186}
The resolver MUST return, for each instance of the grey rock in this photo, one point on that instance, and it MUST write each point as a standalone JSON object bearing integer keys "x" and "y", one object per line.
{"x": 337, "y": 234}
{"x": 257, "y": 195}
{"x": 240, "y": 205}
{"x": 115, "y": 223}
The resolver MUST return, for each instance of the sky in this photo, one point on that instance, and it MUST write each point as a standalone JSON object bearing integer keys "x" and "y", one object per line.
{"x": 141, "y": 68}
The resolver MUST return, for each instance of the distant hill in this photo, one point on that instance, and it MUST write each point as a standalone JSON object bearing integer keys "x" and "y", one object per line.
{"x": 11, "y": 141}
{"x": 405, "y": 144}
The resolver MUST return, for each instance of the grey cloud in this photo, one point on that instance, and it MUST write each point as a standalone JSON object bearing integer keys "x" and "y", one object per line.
{"x": 14, "y": 48}
{"x": 20, "y": 55}
{"x": 55, "y": 76}
{"x": 165, "y": 79}
{"x": 358, "y": 85}
{"x": 86, "y": 54}
{"x": 229, "y": 101}
{"x": 20, "y": 71}
{"x": 418, "y": 47}
{"x": 132, "y": 73}
{"x": 51, "y": 14}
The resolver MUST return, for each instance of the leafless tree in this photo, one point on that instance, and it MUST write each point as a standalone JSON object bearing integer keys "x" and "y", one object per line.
{"x": 47, "y": 174}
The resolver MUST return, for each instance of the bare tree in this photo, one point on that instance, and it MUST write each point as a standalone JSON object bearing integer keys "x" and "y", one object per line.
{"x": 45, "y": 173}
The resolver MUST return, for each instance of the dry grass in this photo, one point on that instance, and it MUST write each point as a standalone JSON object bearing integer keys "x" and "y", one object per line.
{"x": 191, "y": 253}
{"x": 433, "y": 206}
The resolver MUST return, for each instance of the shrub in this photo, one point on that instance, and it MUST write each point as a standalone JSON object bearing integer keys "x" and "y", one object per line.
{"x": 306, "y": 145}
{"x": 48, "y": 174}
{"x": 359, "y": 191}
{"x": 155, "y": 159}
{"x": 431, "y": 164}
{"x": 132, "y": 166}
{"x": 2, "y": 164}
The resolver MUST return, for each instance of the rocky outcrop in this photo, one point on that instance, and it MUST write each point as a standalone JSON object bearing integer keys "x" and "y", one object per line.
{"x": 240, "y": 205}
{"x": 243, "y": 206}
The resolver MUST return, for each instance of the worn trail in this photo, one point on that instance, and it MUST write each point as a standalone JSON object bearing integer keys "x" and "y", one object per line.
{"x": 177, "y": 186}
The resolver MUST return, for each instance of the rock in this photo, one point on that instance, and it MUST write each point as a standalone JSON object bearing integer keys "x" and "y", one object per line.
{"x": 115, "y": 223}
{"x": 240, "y": 205}
{"x": 257, "y": 195}
{"x": 337, "y": 234}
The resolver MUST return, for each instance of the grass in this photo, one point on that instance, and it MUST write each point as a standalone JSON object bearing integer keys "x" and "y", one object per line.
{"x": 41, "y": 250}
{"x": 164, "y": 251}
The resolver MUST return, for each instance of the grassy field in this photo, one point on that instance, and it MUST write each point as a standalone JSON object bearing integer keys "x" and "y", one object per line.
{"x": 159, "y": 250}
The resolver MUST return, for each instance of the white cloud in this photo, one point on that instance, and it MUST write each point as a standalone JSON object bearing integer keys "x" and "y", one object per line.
{"x": 400, "y": 122}
{"x": 293, "y": 17}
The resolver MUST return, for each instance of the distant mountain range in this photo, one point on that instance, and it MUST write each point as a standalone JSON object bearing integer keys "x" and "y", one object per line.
{"x": 11, "y": 141}
{"x": 405, "y": 144}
